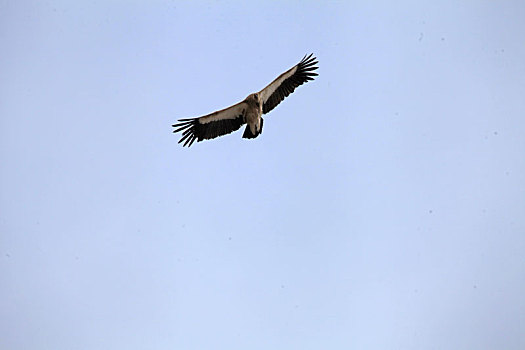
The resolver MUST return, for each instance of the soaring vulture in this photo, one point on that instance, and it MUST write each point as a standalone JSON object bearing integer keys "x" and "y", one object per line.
{"x": 250, "y": 110}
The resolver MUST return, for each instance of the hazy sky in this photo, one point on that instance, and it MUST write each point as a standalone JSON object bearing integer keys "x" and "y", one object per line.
{"x": 383, "y": 207}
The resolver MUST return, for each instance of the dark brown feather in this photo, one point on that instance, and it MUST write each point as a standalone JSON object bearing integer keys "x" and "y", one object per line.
{"x": 304, "y": 73}
{"x": 193, "y": 130}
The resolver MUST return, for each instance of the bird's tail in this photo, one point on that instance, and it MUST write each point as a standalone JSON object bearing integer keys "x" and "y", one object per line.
{"x": 248, "y": 132}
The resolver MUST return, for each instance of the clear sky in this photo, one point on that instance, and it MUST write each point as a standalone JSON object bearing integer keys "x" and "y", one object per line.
{"x": 383, "y": 207}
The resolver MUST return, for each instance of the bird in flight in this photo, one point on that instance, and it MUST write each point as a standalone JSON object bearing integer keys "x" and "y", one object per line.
{"x": 250, "y": 110}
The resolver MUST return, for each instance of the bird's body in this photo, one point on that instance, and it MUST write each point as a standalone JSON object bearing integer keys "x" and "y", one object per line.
{"x": 250, "y": 110}
{"x": 253, "y": 115}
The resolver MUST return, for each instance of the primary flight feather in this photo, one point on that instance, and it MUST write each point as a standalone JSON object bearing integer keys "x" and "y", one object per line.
{"x": 250, "y": 110}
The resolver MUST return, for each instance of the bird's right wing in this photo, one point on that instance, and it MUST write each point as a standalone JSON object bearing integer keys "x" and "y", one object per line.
{"x": 286, "y": 83}
{"x": 212, "y": 125}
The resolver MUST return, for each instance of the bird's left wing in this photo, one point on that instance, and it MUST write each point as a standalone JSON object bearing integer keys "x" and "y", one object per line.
{"x": 212, "y": 125}
{"x": 286, "y": 83}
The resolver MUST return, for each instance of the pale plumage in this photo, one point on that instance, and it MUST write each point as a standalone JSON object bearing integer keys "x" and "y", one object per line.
{"x": 250, "y": 110}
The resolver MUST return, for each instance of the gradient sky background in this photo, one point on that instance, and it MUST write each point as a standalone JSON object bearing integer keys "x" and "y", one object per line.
{"x": 383, "y": 207}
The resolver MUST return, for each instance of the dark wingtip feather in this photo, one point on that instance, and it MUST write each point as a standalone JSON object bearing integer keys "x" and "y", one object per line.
{"x": 187, "y": 126}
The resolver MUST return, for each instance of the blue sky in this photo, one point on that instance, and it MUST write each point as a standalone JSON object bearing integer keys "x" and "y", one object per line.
{"x": 382, "y": 208}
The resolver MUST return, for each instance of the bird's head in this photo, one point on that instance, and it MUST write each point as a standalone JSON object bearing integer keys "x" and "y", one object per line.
{"x": 256, "y": 99}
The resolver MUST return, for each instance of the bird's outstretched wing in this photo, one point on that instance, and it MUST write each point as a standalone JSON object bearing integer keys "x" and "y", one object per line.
{"x": 212, "y": 125}
{"x": 286, "y": 83}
